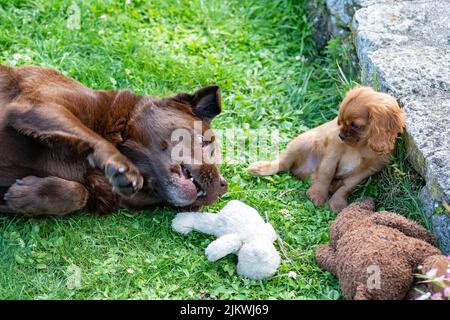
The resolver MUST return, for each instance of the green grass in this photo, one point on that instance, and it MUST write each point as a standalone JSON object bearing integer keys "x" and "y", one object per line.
{"x": 262, "y": 54}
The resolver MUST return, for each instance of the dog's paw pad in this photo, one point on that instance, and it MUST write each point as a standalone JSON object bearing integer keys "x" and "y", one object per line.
{"x": 124, "y": 178}
{"x": 24, "y": 195}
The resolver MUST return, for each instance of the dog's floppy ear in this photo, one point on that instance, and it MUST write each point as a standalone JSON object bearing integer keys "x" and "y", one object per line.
{"x": 207, "y": 102}
{"x": 386, "y": 121}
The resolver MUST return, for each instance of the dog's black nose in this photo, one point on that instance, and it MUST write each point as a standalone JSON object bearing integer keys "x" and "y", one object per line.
{"x": 343, "y": 136}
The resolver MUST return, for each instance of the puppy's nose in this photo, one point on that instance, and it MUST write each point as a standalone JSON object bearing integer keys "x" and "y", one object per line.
{"x": 342, "y": 136}
{"x": 223, "y": 184}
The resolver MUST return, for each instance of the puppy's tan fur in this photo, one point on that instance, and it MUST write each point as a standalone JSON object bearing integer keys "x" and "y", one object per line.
{"x": 344, "y": 151}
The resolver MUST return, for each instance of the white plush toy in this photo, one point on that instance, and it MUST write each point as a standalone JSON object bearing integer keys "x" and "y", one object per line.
{"x": 239, "y": 229}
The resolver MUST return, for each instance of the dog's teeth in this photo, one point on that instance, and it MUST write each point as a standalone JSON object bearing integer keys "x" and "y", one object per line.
{"x": 91, "y": 162}
{"x": 201, "y": 193}
{"x": 192, "y": 179}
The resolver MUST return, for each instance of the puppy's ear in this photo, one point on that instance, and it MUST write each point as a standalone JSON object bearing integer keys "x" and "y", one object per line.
{"x": 386, "y": 121}
{"x": 207, "y": 102}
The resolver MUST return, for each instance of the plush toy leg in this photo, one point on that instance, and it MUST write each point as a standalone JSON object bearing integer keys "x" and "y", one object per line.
{"x": 362, "y": 293}
{"x": 223, "y": 246}
{"x": 417, "y": 251}
{"x": 185, "y": 222}
{"x": 326, "y": 258}
{"x": 408, "y": 227}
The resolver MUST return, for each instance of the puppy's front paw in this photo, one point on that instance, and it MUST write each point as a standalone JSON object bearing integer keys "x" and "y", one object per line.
{"x": 262, "y": 168}
{"x": 124, "y": 177}
{"x": 337, "y": 203}
{"x": 317, "y": 196}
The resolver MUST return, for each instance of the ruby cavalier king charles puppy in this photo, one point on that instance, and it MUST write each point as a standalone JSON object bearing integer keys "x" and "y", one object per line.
{"x": 341, "y": 153}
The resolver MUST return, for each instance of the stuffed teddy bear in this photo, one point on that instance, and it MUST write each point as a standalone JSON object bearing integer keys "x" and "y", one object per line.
{"x": 239, "y": 229}
{"x": 375, "y": 255}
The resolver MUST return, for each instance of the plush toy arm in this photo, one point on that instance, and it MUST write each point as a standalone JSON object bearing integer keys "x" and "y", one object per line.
{"x": 223, "y": 246}
{"x": 326, "y": 258}
{"x": 185, "y": 222}
{"x": 408, "y": 227}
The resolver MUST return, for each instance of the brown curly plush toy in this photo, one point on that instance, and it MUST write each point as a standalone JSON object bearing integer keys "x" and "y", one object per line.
{"x": 375, "y": 255}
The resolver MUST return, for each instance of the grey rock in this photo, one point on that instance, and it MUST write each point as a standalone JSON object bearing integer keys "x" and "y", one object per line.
{"x": 441, "y": 224}
{"x": 403, "y": 47}
{"x": 343, "y": 10}
{"x": 429, "y": 204}
{"x": 321, "y": 21}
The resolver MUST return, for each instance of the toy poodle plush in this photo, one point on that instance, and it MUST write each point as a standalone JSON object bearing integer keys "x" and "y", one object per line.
{"x": 239, "y": 229}
{"x": 341, "y": 153}
{"x": 375, "y": 254}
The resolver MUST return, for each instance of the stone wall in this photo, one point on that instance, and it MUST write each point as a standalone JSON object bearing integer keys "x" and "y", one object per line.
{"x": 403, "y": 48}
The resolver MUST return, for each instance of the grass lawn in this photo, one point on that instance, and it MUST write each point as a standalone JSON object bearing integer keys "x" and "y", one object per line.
{"x": 262, "y": 55}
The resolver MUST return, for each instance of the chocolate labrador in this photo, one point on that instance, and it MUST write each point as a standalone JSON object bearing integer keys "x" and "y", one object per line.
{"x": 65, "y": 147}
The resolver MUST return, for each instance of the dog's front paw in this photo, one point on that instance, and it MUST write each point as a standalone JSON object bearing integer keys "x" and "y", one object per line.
{"x": 262, "y": 168}
{"x": 124, "y": 177}
{"x": 317, "y": 196}
{"x": 337, "y": 203}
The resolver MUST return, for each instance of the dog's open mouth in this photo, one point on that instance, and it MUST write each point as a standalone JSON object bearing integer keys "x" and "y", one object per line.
{"x": 187, "y": 174}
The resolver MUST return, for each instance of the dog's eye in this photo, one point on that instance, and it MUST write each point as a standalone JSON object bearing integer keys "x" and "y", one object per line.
{"x": 354, "y": 126}
{"x": 208, "y": 142}
{"x": 202, "y": 141}
{"x": 199, "y": 139}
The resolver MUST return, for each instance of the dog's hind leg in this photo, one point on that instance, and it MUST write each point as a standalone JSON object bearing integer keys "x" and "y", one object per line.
{"x": 297, "y": 157}
{"x": 33, "y": 196}
{"x": 8, "y": 176}
{"x": 264, "y": 168}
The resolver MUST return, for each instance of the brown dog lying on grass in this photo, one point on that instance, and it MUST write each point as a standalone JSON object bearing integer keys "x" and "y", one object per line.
{"x": 65, "y": 147}
{"x": 341, "y": 153}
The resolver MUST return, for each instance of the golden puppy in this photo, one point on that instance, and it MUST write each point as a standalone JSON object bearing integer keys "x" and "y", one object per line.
{"x": 344, "y": 151}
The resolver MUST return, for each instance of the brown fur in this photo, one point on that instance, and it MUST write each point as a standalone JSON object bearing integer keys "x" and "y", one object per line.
{"x": 361, "y": 239}
{"x": 341, "y": 153}
{"x": 71, "y": 148}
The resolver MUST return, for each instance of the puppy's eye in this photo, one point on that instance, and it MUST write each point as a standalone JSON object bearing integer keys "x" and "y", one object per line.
{"x": 354, "y": 126}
